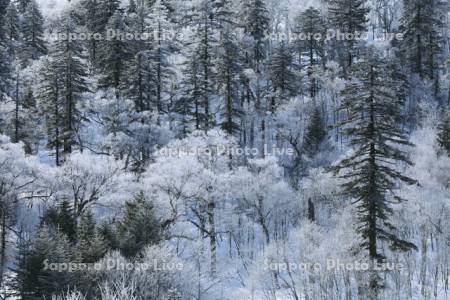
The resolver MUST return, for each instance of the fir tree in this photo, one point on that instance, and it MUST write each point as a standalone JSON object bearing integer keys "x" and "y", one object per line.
{"x": 282, "y": 74}
{"x": 5, "y": 54}
{"x": 229, "y": 70}
{"x": 22, "y": 5}
{"x": 423, "y": 44}
{"x": 138, "y": 227}
{"x": 187, "y": 107}
{"x": 33, "y": 31}
{"x": 68, "y": 54}
{"x": 159, "y": 54}
{"x": 12, "y": 28}
{"x": 35, "y": 280}
{"x": 348, "y": 16}
{"x": 257, "y": 26}
{"x": 311, "y": 22}
{"x": 90, "y": 244}
{"x": 115, "y": 55}
{"x": 370, "y": 173}
{"x": 316, "y": 133}
{"x": 51, "y": 106}
{"x": 443, "y": 137}
{"x": 206, "y": 25}
{"x": 139, "y": 70}
{"x": 62, "y": 219}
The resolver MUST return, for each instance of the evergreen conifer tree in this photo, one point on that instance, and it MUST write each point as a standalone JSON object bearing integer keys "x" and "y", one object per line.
{"x": 51, "y": 106}
{"x": 115, "y": 53}
{"x": 371, "y": 173}
{"x": 257, "y": 26}
{"x": 230, "y": 68}
{"x": 282, "y": 74}
{"x": 315, "y": 133}
{"x": 138, "y": 227}
{"x": 33, "y": 30}
{"x": 348, "y": 16}
{"x": 311, "y": 22}
{"x": 423, "y": 42}
{"x": 444, "y": 133}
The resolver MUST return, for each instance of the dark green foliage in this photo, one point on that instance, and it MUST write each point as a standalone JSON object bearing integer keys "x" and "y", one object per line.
{"x": 257, "y": 26}
{"x": 189, "y": 106}
{"x": 348, "y": 16}
{"x": 11, "y": 27}
{"x": 33, "y": 280}
{"x": 371, "y": 172}
{"x": 62, "y": 219}
{"x": 115, "y": 53}
{"x": 138, "y": 227}
{"x": 51, "y": 106}
{"x": 33, "y": 31}
{"x": 443, "y": 138}
{"x": 316, "y": 133}
{"x": 90, "y": 244}
{"x": 230, "y": 67}
{"x": 312, "y": 23}
{"x": 68, "y": 55}
{"x": 284, "y": 79}
{"x": 423, "y": 43}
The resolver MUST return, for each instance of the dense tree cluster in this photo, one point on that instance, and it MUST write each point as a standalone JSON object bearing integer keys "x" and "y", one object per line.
{"x": 202, "y": 133}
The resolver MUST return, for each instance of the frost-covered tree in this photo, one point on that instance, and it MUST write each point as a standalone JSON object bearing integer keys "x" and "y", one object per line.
{"x": 371, "y": 173}
{"x": 17, "y": 175}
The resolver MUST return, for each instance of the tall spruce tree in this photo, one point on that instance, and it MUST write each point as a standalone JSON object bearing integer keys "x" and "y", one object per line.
{"x": 257, "y": 26}
{"x": 51, "y": 106}
{"x": 115, "y": 53}
{"x": 5, "y": 55}
{"x": 33, "y": 31}
{"x": 282, "y": 75}
{"x": 187, "y": 107}
{"x": 348, "y": 16}
{"x": 423, "y": 42}
{"x": 316, "y": 133}
{"x": 371, "y": 173}
{"x": 162, "y": 47}
{"x": 206, "y": 24}
{"x": 230, "y": 67}
{"x": 12, "y": 28}
{"x": 311, "y": 23}
{"x": 139, "y": 72}
{"x": 443, "y": 138}
{"x": 68, "y": 54}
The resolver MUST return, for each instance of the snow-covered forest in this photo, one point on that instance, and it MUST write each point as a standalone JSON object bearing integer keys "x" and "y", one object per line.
{"x": 224, "y": 149}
